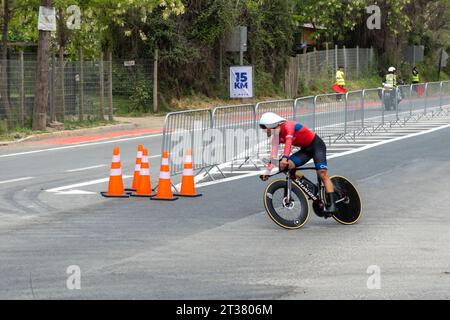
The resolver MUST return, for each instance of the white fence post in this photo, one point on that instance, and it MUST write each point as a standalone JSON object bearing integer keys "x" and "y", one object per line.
{"x": 335, "y": 58}
{"x": 357, "y": 61}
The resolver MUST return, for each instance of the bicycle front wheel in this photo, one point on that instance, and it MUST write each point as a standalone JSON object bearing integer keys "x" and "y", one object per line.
{"x": 291, "y": 214}
{"x": 349, "y": 206}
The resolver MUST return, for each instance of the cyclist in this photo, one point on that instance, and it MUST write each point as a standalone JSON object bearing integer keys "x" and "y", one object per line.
{"x": 292, "y": 133}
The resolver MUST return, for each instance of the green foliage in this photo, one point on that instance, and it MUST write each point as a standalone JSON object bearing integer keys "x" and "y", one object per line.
{"x": 370, "y": 79}
{"x": 72, "y": 125}
{"x": 141, "y": 98}
{"x": 264, "y": 86}
{"x": 428, "y": 70}
{"x": 190, "y": 36}
{"x": 326, "y": 13}
{"x": 3, "y": 126}
{"x": 135, "y": 86}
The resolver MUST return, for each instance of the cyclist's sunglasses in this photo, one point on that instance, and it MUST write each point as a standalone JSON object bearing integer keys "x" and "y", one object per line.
{"x": 262, "y": 126}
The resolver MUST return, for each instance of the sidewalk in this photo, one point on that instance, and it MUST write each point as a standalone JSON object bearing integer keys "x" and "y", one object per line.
{"x": 126, "y": 126}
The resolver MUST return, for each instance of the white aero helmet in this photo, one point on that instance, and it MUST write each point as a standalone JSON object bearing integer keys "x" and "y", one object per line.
{"x": 391, "y": 69}
{"x": 270, "y": 120}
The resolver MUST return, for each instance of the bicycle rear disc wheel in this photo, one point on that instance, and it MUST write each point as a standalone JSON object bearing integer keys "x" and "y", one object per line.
{"x": 293, "y": 215}
{"x": 349, "y": 206}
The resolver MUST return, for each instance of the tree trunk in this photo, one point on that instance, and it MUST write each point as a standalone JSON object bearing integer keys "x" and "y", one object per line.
{"x": 4, "y": 65}
{"x": 41, "y": 95}
{"x": 62, "y": 38}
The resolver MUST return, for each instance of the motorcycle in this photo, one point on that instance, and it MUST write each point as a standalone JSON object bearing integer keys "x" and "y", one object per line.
{"x": 390, "y": 95}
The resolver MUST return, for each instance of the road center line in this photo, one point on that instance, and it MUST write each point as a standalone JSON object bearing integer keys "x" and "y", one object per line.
{"x": 16, "y": 180}
{"x": 87, "y": 168}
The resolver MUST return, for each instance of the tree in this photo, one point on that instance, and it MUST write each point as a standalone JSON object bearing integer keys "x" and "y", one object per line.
{"x": 41, "y": 93}
{"x": 338, "y": 17}
{"x": 6, "y": 15}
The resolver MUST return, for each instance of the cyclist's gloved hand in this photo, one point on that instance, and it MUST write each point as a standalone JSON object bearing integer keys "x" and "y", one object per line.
{"x": 283, "y": 164}
{"x": 268, "y": 172}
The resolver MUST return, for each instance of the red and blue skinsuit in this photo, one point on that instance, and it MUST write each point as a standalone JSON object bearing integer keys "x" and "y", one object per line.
{"x": 311, "y": 146}
{"x": 295, "y": 134}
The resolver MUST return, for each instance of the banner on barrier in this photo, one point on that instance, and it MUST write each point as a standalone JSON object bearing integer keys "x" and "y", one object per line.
{"x": 241, "y": 82}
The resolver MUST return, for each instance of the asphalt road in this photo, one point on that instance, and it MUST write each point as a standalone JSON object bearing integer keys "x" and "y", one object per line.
{"x": 223, "y": 245}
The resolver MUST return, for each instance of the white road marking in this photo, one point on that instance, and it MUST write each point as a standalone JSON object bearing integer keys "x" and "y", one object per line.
{"x": 339, "y": 149}
{"x": 82, "y": 184}
{"x": 78, "y": 146}
{"x": 205, "y": 184}
{"x": 364, "y": 141}
{"x": 392, "y": 140}
{"x": 75, "y": 192}
{"x": 411, "y": 129}
{"x": 16, "y": 180}
{"x": 342, "y": 154}
{"x": 236, "y": 171}
{"x": 87, "y": 168}
{"x": 60, "y": 190}
{"x": 353, "y": 144}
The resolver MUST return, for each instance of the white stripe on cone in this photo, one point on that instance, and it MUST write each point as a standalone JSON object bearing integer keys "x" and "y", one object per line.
{"x": 188, "y": 172}
{"x": 165, "y": 162}
{"x": 139, "y": 154}
{"x": 164, "y": 175}
{"x": 137, "y": 167}
{"x": 116, "y": 159}
{"x": 188, "y": 159}
{"x": 115, "y": 172}
{"x": 145, "y": 172}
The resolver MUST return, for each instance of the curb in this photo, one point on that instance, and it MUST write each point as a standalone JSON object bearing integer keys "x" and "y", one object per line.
{"x": 71, "y": 133}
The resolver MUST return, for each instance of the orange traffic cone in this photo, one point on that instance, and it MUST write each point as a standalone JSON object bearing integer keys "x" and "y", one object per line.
{"x": 187, "y": 182}
{"x": 144, "y": 188}
{"x": 115, "y": 187}
{"x": 164, "y": 185}
{"x": 137, "y": 169}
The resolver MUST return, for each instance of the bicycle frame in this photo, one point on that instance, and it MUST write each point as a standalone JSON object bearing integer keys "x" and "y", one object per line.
{"x": 306, "y": 190}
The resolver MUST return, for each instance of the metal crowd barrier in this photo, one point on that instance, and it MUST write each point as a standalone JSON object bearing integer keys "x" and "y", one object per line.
{"x": 231, "y": 133}
{"x": 445, "y": 94}
{"x": 433, "y": 95}
{"x": 183, "y": 130}
{"x": 235, "y": 132}
{"x": 404, "y": 107}
{"x": 304, "y": 111}
{"x": 330, "y": 114}
{"x": 373, "y": 112}
{"x": 284, "y": 108}
{"x": 354, "y": 113}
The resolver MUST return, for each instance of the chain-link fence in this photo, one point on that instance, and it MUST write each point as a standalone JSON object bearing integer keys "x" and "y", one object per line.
{"x": 324, "y": 63}
{"x": 78, "y": 90}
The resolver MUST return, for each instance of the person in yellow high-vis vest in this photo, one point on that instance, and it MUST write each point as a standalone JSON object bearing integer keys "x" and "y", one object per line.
{"x": 391, "y": 77}
{"x": 340, "y": 80}
{"x": 415, "y": 80}
{"x": 390, "y": 89}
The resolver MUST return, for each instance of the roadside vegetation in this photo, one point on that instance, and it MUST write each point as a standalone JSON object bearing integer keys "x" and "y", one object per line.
{"x": 190, "y": 38}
